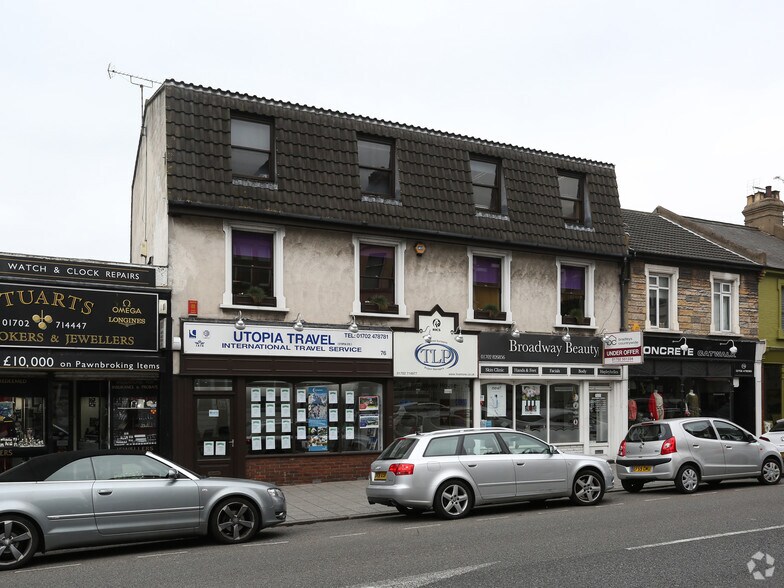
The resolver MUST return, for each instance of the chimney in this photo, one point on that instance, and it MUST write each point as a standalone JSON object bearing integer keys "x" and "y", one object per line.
{"x": 765, "y": 211}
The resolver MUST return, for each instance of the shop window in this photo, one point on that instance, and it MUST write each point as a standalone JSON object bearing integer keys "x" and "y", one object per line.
{"x": 497, "y": 405}
{"x": 563, "y": 414}
{"x": 424, "y": 405}
{"x": 598, "y": 417}
{"x": 725, "y": 316}
{"x": 135, "y": 415}
{"x": 254, "y": 266}
{"x": 251, "y": 148}
{"x": 487, "y": 185}
{"x": 21, "y": 421}
{"x": 379, "y": 277}
{"x": 377, "y": 167}
{"x": 575, "y": 207}
{"x": 490, "y": 287}
{"x": 312, "y": 417}
{"x": 532, "y": 409}
{"x": 662, "y": 298}
{"x": 575, "y": 293}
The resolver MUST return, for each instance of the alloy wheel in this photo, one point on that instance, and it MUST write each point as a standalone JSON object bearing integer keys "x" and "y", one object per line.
{"x": 18, "y": 542}
{"x": 587, "y": 489}
{"x": 235, "y": 521}
{"x": 454, "y": 500}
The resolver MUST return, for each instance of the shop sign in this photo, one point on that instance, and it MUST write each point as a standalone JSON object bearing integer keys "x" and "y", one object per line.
{"x": 608, "y": 371}
{"x": 698, "y": 349}
{"x": 494, "y": 369}
{"x": 521, "y": 370}
{"x": 71, "y": 318}
{"x": 17, "y": 267}
{"x": 539, "y": 349}
{"x": 580, "y": 371}
{"x": 743, "y": 370}
{"x": 275, "y": 340}
{"x": 623, "y": 348}
{"x": 49, "y": 359}
{"x": 554, "y": 371}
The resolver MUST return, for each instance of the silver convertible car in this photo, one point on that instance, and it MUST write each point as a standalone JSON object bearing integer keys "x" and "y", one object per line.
{"x": 89, "y": 498}
{"x": 452, "y": 471}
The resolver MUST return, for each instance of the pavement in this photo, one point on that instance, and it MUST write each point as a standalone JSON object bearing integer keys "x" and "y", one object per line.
{"x": 334, "y": 501}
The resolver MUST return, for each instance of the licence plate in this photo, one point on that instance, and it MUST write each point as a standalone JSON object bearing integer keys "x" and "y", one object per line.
{"x": 379, "y": 476}
{"x": 642, "y": 468}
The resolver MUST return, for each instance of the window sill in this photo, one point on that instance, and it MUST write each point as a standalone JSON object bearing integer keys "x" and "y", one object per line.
{"x": 725, "y": 334}
{"x": 382, "y": 315}
{"x": 381, "y": 199}
{"x": 498, "y": 321}
{"x": 575, "y": 227}
{"x": 491, "y": 214}
{"x": 254, "y": 183}
{"x": 257, "y": 308}
{"x": 576, "y": 327}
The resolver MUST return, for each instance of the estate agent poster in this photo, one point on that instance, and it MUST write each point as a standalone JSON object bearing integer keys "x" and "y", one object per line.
{"x": 317, "y": 418}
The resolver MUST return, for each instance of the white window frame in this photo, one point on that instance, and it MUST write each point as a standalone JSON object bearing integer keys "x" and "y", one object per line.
{"x": 590, "y": 312}
{"x": 673, "y": 274}
{"x": 277, "y": 269}
{"x": 734, "y": 279}
{"x": 506, "y": 283}
{"x": 400, "y": 250}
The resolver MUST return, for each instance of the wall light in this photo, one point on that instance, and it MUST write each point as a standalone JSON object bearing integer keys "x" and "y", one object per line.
{"x": 513, "y": 330}
{"x": 685, "y": 346}
{"x": 239, "y": 324}
{"x": 732, "y": 349}
{"x": 298, "y": 324}
{"x": 352, "y": 326}
{"x": 566, "y": 336}
{"x": 458, "y": 335}
{"x": 426, "y": 334}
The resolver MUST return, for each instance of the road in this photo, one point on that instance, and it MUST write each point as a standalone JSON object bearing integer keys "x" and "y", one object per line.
{"x": 655, "y": 538}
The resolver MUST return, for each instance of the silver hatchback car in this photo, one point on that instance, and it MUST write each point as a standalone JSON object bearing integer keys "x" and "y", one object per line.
{"x": 452, "y": 471}
{"x": 690, "y": 450}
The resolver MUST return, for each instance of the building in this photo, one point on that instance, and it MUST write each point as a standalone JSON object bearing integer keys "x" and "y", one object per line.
{"x": 83, "y": 356}
{"x": 696, "y": 303}
{"x": 338, "y": 280}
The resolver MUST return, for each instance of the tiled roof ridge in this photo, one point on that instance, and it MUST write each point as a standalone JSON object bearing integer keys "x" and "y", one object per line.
{"x": 391, "y": 124}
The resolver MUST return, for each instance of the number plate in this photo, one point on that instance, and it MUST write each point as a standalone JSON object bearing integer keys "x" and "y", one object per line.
{"x": 379, "y": 476}
{"x": 642, "y": 468}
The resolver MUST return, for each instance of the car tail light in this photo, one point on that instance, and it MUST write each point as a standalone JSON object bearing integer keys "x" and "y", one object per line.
{"x": 622, "y": 449}
{"x": 402, "y": 469}
{"x": 764, "y": 438}
{"x": 669, "y": 446}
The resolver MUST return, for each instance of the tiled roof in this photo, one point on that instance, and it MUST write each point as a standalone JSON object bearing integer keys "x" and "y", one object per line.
{"x": 317, "y": 175}
{"x": 654, "y": 235}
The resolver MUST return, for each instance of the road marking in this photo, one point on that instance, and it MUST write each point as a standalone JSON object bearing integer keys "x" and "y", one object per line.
{"x": 347, "y": 535}
{"x": 491, "y": 518}
{"x": 46, "y": 568}
{"x": 259, "y": 544}
{"x": 421, "y": 527}
{"x": 609, "y": 505}
{"x": 424, "y": 579}
{"x": 702, "y": 494}
{"x": 655, "y": 499}
{"x": 161, "y": 554}
{"x": 705, "y": 537}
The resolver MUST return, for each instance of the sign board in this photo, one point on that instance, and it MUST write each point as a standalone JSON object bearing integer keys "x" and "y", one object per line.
{"x": 276, "y": 340}
{"x": 540, "y": 349}
{"x": 624, "y": 348}
{"x": 48, "y": 269}
{"x": 99, "y": 361}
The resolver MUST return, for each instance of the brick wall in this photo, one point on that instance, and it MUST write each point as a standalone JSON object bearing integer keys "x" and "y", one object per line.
{"x": 305, "y": 468}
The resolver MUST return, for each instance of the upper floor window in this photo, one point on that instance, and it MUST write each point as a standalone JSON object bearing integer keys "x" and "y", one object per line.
{"x": 575, "y": 293}
{"x": 489, "y": 290}
{"x": 573, "y": 202}
{"x": 253, "y": 266}
{"x": 376, "y": 167}
{"x": 251, "y": 148}
{"x": 486, "y": 182}
{"x": 379, "y": 277}
{"x": 725, "y": 317}
{"x": 662, "y": 297}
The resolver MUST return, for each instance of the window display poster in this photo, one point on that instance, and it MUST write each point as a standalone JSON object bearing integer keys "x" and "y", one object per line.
{"x": 255, "y": 426}
{"x": 301, "y": 432}
{"x": 285, "y": 426}
{"x": 349, "y": 397}
{"x": 317, "y": 418}
{"x": 496, "y": 400}
{"x": 285, "y": 442}
{"x": 285, "y": 394}
{"x": 209, "y": 448}
{"x": 220, "y": 448}
{"x": 301, "y": 395}
{"x": 530, "y": 401}
{"x": 333, "y": 433}
{"x": 270, "y": 425}
{"x": 333, "y": 396}
{"x": 333, "y": 415}
{"x": 349, "y": 432}
{"x": 270, "y": 409}
{"x": 368, "y": 420}
{"x": 255, "y": 411}
{"x": 368, "y": 403}
{"x": 270, "y": 394}
{"x": 301, "y": 415}
{"x": 256, "y": 443}
{"x": 350, "y": 415}
{"x": 255, "y": 394}
{"x": 285, "y": 411}
{"x": 270, "y": 442}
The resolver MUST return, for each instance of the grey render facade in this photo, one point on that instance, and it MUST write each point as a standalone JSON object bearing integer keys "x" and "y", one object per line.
{"x": 301, "y": 220}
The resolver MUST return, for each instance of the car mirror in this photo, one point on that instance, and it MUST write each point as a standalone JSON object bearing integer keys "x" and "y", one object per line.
{"x": 553, "y": 450}
{"x": 171, "y": 474}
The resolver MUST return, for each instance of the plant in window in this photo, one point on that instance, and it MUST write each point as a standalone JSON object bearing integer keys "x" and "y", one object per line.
{"x": 380, "y": 301}
{"x": 490, "y": 312}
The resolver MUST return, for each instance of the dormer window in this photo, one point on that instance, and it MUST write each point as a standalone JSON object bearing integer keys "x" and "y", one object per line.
{"x": 376, "y": 167}
{"x": 486, "y": 182}
{"x": 572, "y": 192}
{"x": 251, "y": 148}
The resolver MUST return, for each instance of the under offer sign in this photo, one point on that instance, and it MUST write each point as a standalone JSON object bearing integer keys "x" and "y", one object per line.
{"x": 623, "y": 348}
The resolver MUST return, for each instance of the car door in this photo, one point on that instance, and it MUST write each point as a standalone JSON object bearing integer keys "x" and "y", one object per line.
{"x": 538, "y": 471}
{"x": 741, "y": 456}
{"x": 705, "y": 447}
{"x": 490, "y": 468}
{"x": 133, "y": 494}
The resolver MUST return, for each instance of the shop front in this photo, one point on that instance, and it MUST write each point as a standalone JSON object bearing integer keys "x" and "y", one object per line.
{"x": 698, "y": 377}
{"x": 556, "y": 390}
{"x": 80, "y": 367}
{"x": 435, "y": 367}
{"x": 268, "y": 401}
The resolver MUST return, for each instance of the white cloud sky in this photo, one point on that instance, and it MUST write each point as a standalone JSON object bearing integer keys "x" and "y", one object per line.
{"x": 684, "y": 97}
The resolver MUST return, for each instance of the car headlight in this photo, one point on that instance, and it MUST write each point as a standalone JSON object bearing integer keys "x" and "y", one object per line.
{"x": 276, "y": 493}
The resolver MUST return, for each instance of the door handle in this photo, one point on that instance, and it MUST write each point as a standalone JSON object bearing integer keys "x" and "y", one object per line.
{"x": 728, "y": 446}
{"x": 695, "y": 445}
{"x": 104, "y": 492}
{"x": 231, "y": 442}
{"x": 472, "y": 465}
{"x": 520, "y": 463}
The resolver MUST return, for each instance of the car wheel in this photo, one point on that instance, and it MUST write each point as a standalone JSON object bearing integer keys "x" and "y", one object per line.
{"x": 453, "y": 500}
{"x": 771, "y": 472}
{"x": 18, "y": 541}
{"x": 632, "y": 485}
{"x": 688, "y": 479}
{"x": 235, "y": 520}
{"x": 409, "y": 511}
{"x": 587, "y": 488}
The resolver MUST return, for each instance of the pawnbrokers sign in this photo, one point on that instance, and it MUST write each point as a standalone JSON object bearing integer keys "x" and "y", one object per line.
{"x": 75, "y": 318}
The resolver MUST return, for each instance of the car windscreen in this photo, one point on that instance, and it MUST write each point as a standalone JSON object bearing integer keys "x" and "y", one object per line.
{"x": 652, "y": 432}
{"x": 779, "y": 426}
{"x": 399, "y": 448}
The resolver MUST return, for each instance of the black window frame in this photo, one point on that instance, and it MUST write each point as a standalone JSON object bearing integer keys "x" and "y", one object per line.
{"x": 496, "y": 194}
{"x": 392, "y": 192}
{"x": 583, "y": 216}
{"x": 269, "y": 123}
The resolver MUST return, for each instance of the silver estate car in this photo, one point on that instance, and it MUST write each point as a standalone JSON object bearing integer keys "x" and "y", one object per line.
{"x": 88, "y": 498}
{"x": 690, "y": 450}
{"x": 451, "y": 471}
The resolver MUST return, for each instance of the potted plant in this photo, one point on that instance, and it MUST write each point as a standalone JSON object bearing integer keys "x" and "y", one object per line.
{"x": 489, "y": 312}
{"x": 379, "y": 303}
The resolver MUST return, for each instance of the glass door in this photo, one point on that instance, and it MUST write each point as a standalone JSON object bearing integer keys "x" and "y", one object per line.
{"x": 92, "y": 415}
{"x": 216, "y": 454}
